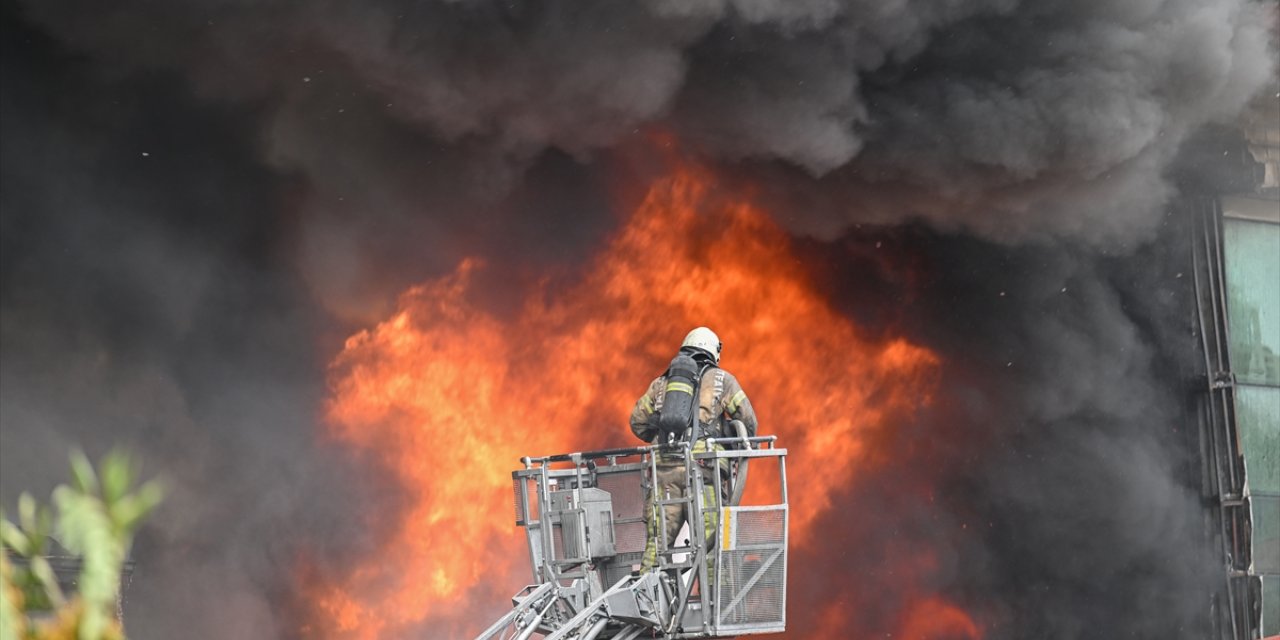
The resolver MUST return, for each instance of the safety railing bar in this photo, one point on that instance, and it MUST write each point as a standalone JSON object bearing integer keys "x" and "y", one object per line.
{"x": 595, "y": 455}
{"x": 752, "y": 440}
{"x": 780, "y": 507}
{"x": 634, "y": 451}
{"x": 750, "y": 629}
{"x": 697, "y": 534}
{"x": 618, "y": 469}
{"x": 730, "y": 454}
{"x": 711, "y": 608}
{"x": 758, "y": 546}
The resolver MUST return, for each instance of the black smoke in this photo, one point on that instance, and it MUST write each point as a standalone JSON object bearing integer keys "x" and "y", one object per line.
{"x": 1054, "y": 481}
{"x": 200, "y": 200}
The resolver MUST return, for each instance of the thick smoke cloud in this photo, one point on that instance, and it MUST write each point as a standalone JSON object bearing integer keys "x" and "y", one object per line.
{"x": 144, "y": 305}
{"x": 1013, "y": 120}
{"x": 202, "y": 199}
{"x": 1053, "y": 486}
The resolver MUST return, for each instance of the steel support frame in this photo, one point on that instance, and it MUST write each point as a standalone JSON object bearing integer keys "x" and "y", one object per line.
{"x": 1235, "y": 614}
{"x": 565, "y": 592}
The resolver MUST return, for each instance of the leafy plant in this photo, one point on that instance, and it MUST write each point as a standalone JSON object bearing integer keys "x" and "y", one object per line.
{"x": 96, "y": 517}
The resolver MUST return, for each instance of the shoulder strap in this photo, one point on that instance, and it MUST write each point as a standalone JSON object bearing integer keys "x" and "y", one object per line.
{"x": 698, "y": 428}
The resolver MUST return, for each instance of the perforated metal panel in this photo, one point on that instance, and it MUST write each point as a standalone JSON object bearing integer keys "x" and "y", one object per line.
{"x": 759, "y": 527}
{"x": 526, "y": 501}
{"x": 752, "y": 589}
{"x": 557, "y": 542}
{"x": 630, "y": 536}
{"x": 626, "y": 491}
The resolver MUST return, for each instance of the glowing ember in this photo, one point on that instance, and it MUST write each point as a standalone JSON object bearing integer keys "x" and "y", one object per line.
{"x": 448, "y": 396}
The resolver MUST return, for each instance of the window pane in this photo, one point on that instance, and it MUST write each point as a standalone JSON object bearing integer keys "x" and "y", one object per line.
{"x": 1270, "y": 606}
{"x": 1266, "y": 534}
{"x": 1258, "y": 423}
{"x": 1252, "y": 257}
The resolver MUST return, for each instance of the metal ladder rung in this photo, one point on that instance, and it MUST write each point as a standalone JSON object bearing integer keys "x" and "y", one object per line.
{"x": 675, "y": 501}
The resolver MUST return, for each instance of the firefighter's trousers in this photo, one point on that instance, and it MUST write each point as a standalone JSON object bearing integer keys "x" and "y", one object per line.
{"x": 670, "y": 485}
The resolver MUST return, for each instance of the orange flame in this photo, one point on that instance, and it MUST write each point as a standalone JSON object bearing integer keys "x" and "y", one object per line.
{"x": 447, "y": 395}
{"x": 936, "y": 619}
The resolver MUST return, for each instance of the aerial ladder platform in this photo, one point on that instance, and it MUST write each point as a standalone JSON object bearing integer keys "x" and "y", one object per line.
{"x": 583, "y": 516}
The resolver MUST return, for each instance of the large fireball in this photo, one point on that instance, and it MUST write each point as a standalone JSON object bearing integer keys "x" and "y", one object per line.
{"x": 447, "y": 396}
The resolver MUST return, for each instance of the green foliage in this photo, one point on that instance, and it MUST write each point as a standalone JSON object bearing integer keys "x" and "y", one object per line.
{"x": 30, "y": 540}
{"x": 97, "y": 516}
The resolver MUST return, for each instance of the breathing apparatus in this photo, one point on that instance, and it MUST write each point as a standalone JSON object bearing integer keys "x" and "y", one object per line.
{"x": 679, "y": 412}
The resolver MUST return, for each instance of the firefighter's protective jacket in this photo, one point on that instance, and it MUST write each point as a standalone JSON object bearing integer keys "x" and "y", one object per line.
{"x": 720, "y": 396}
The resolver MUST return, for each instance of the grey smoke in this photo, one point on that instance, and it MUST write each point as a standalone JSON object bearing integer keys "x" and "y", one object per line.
{"x": 1011, "y": 119}
{"x": 1060, "y": 444}
{"x": 305, "y": 161}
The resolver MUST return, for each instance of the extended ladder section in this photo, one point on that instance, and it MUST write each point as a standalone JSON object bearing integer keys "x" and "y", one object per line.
{"x": 583, "y": 515}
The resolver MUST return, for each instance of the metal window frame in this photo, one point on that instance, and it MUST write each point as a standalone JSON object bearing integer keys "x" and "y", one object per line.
{"x": 1236, "y": 602}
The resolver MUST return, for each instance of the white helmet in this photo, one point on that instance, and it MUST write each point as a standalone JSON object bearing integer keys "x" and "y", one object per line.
{"x": 704, "y": 339}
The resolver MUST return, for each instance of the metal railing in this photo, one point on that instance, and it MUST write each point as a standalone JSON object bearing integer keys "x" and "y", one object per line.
{"x": 584, "y": 518}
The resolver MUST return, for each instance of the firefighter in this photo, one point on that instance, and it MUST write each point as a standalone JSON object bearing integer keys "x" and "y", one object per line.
{"x": 666, "y": 413}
